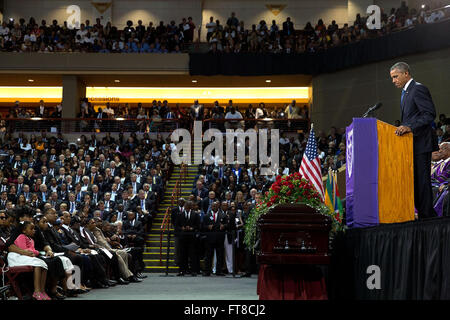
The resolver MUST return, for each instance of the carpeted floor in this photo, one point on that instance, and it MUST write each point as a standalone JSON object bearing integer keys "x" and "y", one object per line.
{"x": 160, "y": 287}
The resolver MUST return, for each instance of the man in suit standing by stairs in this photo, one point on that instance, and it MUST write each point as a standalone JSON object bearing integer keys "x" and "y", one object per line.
{"x": 175, "y": 213}
{"x": 188, "y": 226}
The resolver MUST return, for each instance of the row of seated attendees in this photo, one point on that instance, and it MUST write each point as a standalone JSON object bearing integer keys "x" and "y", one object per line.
{"x": 232, "y": 37}
{"x": 164, "y": 38}
{"x": 90, "y": 204}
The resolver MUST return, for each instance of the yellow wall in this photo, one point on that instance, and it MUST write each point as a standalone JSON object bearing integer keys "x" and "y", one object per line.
{"x": 147, "y": 95}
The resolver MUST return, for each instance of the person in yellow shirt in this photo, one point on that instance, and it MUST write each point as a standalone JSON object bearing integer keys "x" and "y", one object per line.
{"x": 39, "y": 144}
{"x": 292, "y": 111}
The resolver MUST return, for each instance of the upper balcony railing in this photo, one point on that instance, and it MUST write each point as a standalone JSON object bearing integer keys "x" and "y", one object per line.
{"x": 90, "y": 125}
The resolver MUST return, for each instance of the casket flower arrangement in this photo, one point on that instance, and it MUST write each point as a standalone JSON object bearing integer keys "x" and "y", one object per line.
{"x": 294, "y": 189}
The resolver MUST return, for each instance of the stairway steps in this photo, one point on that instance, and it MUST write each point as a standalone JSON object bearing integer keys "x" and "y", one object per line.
{"x": 153, "y": 252}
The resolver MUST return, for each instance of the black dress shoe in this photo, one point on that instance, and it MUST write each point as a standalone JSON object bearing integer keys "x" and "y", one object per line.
{"x": 57, "y": 296}
{"x": 100, "y": 285}
{"x": 180, "y": 274}
{"x": 71, "y": 293}
{"x": 133, "y": 279}
{"x": 220, "y": 274}
{"x": 112, "y": 283}
{"x": 122, "y": 281}
{"x": 206, "y": 274}
{"x": 141, "y": 276}
{"x": 246, "y": 275}
{"x": 81, "y": 291}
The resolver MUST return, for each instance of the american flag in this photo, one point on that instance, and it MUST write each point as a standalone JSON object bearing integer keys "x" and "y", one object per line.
{"x": 310, "y": 168}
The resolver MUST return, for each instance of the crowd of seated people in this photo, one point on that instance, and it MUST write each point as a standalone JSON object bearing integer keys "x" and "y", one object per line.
{"x": 86, "y": 205}
{"x": 234, "y": 37}
{"x": 31, "y": 37}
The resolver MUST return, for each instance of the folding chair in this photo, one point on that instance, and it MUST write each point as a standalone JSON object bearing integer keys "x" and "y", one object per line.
{"x": 12, "y": 273}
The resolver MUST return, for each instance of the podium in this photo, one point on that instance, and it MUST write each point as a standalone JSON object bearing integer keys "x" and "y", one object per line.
{"x": 379, "y": 174}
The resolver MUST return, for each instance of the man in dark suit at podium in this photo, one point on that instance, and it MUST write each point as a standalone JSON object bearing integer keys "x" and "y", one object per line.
{"x": 418, "y": 113}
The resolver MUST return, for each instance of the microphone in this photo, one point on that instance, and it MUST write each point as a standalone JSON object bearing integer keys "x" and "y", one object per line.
{"x": 371, "y": 109}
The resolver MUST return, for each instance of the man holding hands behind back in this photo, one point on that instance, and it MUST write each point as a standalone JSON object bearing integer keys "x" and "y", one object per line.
{"x": 417, "y": 114}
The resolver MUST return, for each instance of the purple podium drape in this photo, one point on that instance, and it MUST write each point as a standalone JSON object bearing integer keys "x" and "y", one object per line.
{"x": 362, "y": 173}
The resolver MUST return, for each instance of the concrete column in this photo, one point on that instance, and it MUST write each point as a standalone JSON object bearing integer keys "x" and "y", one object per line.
{"x": 73, "y": 91}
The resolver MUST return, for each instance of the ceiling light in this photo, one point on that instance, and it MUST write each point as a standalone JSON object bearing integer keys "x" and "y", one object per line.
{"x": 268, "y": 80}
{"x": 117, "y": 80}
{"x": 30, "y": 80}
{"x": 194, "y": 81}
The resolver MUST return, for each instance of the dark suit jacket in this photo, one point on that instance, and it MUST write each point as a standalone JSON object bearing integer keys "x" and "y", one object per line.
{"x": 205, "y": 204}
{"x": 40, "y": 196}
{"x": 288, "y": 27}
{"x": 203, "y": 192}
{"x": 138, "y": 186}
{"x": 215, "y": 232}
{"x": 69, "y": 236}
{"x": 3, "y": 204}
{"x": 99, "y": 196}
{"x": 200, "y": 113}
{"x": 149, "y": 204}
{"x": 182, "y": 221}
{"x": 127, "y": 207}
{"x": 64, "y": 196}
{"x": 54, "y": 240}
{"x": 418, "y": 113}
{"x": 174, "y": 214}
{"x": 137, "y": 229}
{"x": 38, "y": 111}
{"x": 112, "y": 206}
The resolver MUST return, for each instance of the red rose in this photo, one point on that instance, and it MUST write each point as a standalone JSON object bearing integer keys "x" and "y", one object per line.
{"x": 289, "y": 193}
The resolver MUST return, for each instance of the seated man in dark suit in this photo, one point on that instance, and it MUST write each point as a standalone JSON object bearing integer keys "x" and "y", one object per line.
{"x": 147, "y": 205}
{"x": 43, "y": 194}
{"x": 3, "y": 200}
{"x": 200, "y": 192}
{"x": 125, "y": 201}
{"x": 134, "y": 230}
{"x": 110, "y": 205}
{"x": 95, "y": 194}
{"x": 134, "y": 184}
